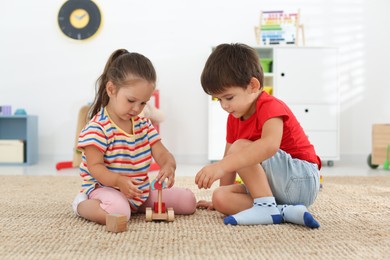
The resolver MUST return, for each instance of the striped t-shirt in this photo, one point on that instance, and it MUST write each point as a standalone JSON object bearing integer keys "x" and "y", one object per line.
{"x": 128, "y": 154}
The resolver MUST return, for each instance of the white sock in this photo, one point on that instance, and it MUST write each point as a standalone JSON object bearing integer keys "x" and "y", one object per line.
{"x": 79, "y": 198}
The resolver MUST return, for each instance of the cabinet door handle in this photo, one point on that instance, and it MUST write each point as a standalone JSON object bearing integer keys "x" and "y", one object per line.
{"x": 306, "y": 110}
{"x": 282, "y": 74}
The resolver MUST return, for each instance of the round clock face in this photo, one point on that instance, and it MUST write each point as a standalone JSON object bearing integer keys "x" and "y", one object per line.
{"x": 79, "y": 19}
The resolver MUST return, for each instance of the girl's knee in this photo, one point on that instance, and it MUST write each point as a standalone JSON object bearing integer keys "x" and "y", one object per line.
{"x": 117, "y": 207}
{"x": 182, "y": 200}
{"x": 113, "y": 201}
{"x": 189, "y": 206}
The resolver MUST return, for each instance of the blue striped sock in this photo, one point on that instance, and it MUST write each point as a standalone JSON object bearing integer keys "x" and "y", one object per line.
{"x": 298, "y": 214}
{"x": 264, "y": 211}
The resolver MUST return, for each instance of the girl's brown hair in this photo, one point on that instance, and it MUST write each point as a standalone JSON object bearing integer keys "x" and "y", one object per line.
{"x": 120, "y": 67}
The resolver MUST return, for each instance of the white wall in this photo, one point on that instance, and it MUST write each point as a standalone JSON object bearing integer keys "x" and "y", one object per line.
{"x": 52, "y": 77}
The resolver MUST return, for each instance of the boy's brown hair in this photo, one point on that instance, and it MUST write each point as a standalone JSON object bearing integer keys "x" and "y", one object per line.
{"x": 231, "y": 65}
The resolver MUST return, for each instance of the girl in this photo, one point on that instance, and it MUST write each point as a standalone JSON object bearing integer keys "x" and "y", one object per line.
{"x": 118, "y": 146}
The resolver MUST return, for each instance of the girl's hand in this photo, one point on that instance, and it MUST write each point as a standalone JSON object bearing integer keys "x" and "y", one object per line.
{"x": 166, "y": 173}
{"x": 208, "y": 175}
{"x": 127, "y": 187}
{"x": 203, "y": 204}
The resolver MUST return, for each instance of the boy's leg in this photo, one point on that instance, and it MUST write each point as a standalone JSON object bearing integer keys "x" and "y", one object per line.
{"x": 263, "y": 210}
{"x": 294, "y": 183}
{"x": 231, "y": 199}
{"x": 182, "y": 200}
{"x": 298, "y": 214}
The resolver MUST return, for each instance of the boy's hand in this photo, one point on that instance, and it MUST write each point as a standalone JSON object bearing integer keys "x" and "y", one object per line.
{"x": 127, "y": 187}
{"x": 203, "y": 204}
{"x": 166, "y": 173}
{"x": 208, "y": 175}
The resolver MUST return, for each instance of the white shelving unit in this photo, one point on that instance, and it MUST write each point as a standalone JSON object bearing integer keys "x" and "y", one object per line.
{"x": 306, "y": 79}
{"x": 217, "y": 131}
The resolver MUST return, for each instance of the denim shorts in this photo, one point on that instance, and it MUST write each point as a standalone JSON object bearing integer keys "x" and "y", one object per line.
{"x": 292, "y": 181}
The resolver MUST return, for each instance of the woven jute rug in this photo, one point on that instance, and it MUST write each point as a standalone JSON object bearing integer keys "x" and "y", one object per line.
{"x": 36, "y": 222}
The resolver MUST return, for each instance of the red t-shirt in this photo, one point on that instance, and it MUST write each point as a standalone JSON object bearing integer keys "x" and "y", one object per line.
{"x": 294, "y": 139}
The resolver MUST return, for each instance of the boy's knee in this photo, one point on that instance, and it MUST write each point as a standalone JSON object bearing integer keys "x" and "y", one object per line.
{"x": 239, "y": 144}
{"x": 217, "y": 199}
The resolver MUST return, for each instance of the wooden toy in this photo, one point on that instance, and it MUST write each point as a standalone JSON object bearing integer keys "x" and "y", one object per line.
{"x": 159, "y": 212}
{"x": 238, "y": 180}
{"x": 279, "y": 27}
{"x": 116, "y": 223}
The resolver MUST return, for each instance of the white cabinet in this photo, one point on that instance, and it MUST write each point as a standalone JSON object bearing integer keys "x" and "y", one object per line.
{"x": 306, "y": 79}
{"x": 216, "y": 130}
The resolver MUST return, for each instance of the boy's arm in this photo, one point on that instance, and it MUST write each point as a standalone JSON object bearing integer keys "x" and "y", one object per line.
{"x": 227, "y": 179}
{"x": 166, "y": 161}
{"x": 259, "y": 150}
{"x": 254, "y": 153}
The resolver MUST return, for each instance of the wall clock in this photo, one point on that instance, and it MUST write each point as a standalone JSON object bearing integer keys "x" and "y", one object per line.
{"x": 79, "y": 19}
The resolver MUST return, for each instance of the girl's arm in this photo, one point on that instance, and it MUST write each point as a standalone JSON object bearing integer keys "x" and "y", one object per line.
{"x": 98, "y": 170}
{"x": 166, "y": 161}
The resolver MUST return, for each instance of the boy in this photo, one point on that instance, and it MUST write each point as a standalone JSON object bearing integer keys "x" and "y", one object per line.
{"x": 265, "y": 146}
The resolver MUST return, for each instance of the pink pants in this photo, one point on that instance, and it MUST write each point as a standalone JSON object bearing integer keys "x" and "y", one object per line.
{"x": 182, "y": 200}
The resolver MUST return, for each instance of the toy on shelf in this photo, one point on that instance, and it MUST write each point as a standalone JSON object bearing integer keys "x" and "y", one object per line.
{"x": 279, "y": 27}
{"x": 5, "y": 110}
{"x": 116, "y": 223}
{"x": 159, "y": 212}
{"x": 238, "y": 180}
{"x": 20, "y": 112}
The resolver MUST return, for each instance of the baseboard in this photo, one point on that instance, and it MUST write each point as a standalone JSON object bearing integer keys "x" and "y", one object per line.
{"x": 353, "y": 158}
{"x": 191, "y": 159}
{"x": 202, "y": 158}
